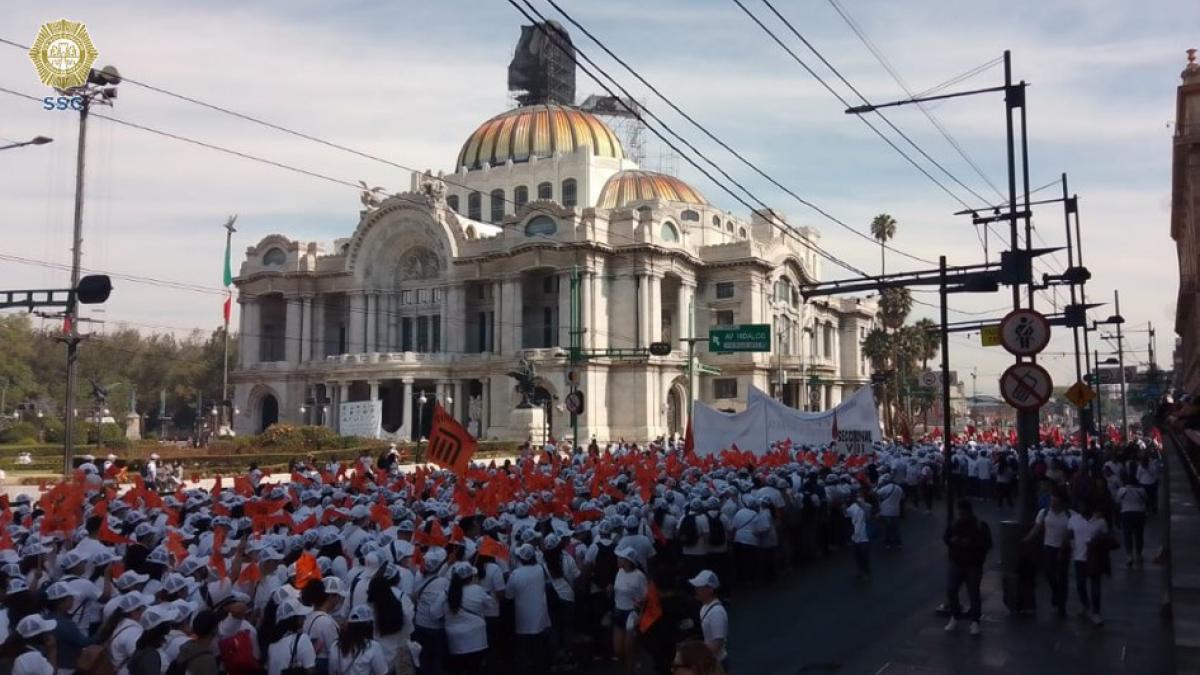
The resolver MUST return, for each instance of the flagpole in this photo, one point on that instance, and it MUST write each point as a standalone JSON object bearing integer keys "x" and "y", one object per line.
{"x": 227, "y": 278}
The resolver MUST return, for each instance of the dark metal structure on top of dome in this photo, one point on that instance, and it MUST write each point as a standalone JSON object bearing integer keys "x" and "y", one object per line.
{"x": 543, "y": 67}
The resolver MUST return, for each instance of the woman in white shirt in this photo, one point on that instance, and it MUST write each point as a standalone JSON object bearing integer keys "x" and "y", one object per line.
{"x": 562, "y": 572}
{"x": 124, "y": 630}
{"x": 323, "y": 596}
{"x": 1132, "y": 499}
{"x": 292, "y": 649}
{"x": 1051, "y": 524}
{"x": 629, "y": 594}
{"x": 36, "y": 645}
{"x": 355, "y": 652}
{"x": 1087, "y": 531}
{"x": 429, "y": 616}
{"x": 393, "y": 621}
{"x": 467, "y": 603}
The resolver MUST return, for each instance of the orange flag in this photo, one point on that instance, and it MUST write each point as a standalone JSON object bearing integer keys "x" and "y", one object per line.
{"x": 250, "y": 574}
{"x": 653, "y": 610}
{"x": 450, "y": 445}
{"x": 381, "y": 515}
{"x": 108, "y": 536}
{"x": 307, "y": 570}
{"x": 243, "y": 487}
{"x": 217, "y": 559}
{"x": 492, "y": 548}
{"x": 176, "y": 547}
{"x": 216, "y": 488}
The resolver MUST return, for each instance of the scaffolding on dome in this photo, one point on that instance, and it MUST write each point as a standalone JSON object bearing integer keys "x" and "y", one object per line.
{"x": 623, "y": 116}
{"x": 542, "y": 69}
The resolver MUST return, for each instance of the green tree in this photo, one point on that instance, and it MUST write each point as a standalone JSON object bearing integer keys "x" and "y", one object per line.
{"x": 895, "y": 304}
{"x": 883, "y": 228}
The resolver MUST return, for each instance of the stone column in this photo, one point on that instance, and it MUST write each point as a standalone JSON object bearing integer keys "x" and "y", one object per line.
{"x": 374, "y": 389}
{"x": 369, "y": 345}
{"x": 318, "y": 329}
{"x": 355, "y": 323}
{"x": 655, "y": 292}
{"x": 643, "y": 310}
{"x": 683, "y": 315}
{"x": 444, "y": 389}
{"x": 389, "y": 299}
{"x": 511, "y": 322}
{"x": 586, "y": 321}
{"x": 249, "y": 331}
{"x": 343, "y": 398}
{"x": 564, "y": 309}
{"x": 408, "y": 404}
{"x": 460, "y": 401}
{"x": 331, "y": 401}
{"x": 493, "y": 336}
{"x": 454, "y": 320}
{"x": 292, "y": 333}
{"x": 306, "y": 328}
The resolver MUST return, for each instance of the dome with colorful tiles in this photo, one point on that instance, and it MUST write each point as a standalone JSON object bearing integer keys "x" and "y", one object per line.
{"x": 627, "y": 187}
{"x": 537, "y": 131}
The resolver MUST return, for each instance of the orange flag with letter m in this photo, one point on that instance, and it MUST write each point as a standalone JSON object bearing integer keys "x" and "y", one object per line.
{"x": 450, "y": 446}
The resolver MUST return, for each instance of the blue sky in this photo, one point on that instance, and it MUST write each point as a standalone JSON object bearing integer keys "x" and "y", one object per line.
{"x": 409, "y": 81}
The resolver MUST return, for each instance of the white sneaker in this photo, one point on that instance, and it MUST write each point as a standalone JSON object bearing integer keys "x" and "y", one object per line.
{"x": 951, "y": 624}
{"x": 975, "y": 630}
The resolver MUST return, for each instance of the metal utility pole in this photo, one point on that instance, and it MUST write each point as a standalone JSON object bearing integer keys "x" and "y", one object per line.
{"x": 1121, "y": 365}
{"x": 1068, "y": 207}
{"x": 229, "y": 230}
{"x": 1099, "y": 396}
{"x": 946, "y": 445}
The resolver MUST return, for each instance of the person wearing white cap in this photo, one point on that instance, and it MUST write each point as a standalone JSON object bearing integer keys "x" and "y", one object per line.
{"x": 122, "y": 629}
{"x": 37, "y": 641}
{"x": 84, "y": 594}
{"x": 430, "y": 615}
{"x": 629, "y": 594}
{"x": 467, "y": 603}
{"x": 324, "y": 596}
{"x": 714, "y": 620}
{"x": 68, "y": 637}
{"x": 527, "y": 589}
{"x": 149, "y": 659}
{"x": 355, "y": 652}
{"x": 237, "y": 638}
{"x": 128, "y": 582}
{"x": 291, "y": 650}
{"x": 90, "y": 545}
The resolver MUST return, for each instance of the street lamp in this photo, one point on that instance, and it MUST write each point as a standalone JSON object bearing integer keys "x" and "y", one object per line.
{"x": 36, "y": 140}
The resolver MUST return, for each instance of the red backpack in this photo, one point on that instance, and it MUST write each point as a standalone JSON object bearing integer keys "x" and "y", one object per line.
{"x": 237, "y": 654}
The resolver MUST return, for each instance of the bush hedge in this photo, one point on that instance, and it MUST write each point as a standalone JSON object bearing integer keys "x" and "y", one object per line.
{"x": 21, "y": 432}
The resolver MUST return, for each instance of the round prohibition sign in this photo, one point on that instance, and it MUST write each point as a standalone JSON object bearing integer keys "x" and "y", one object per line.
{"x": 1026, "y": 386}
{"x": 1024, "y": 332}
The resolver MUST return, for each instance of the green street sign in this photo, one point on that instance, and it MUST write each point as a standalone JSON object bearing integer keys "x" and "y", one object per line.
{"x": 707, "y": 370}
{"x": 751, "y": 337}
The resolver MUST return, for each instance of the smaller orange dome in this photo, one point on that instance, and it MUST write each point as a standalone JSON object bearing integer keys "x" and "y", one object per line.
{"x": 626, "y": 187}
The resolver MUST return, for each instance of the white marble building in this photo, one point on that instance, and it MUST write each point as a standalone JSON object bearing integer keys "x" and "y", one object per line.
{"x": 443, "y": 289}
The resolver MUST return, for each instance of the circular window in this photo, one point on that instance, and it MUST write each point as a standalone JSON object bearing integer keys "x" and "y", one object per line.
{"x": 274, "y": 258}
{"x": 541, "y": 226}
{"x": 669, "y": 233}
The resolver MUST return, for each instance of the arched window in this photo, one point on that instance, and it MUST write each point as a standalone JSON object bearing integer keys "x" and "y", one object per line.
{"x": 828, "y": 340}
{"x": 545, "y": 191}
{"x": 669, "y": 233}
{"x": 783, "y": 290}
{"x": 690, "y": 215}
{"x": 742, "y": 232}
{"x": 541, "y": 226}
{"x": 568, "y": 192}
{"x": 452, "y": 202}
{"x": 475, "y": 206}
{"x": 717, "y": 222}
{"x": 520, "y": 196}
{"x": 497, "y": 204}
{"x": 274, "y": 257}
{"x": 470, "y": 232}
{"x": 729, "y": 226}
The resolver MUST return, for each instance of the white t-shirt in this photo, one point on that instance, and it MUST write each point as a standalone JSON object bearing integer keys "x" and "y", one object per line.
{"x": 493, "y": 583}
{"x": 123, "y": 644}
{"x": 1083, "y": 530}
{"x": 527, "y": 588}
{"x": 890, "y": 498}
{"x": 322, "y": 630}
{"x": 430, "y": 598}
{"x": 32, "y": 663}
{"x": 279, "y": 654}
{"x": 1054, "y": 526}
{"x": 466, "y": 629}
{"x": 702, "y": 530}
{"x": 858, "y": 520}
{"x": 1132, "y": 498}
{"x": 714, "y": 624}
{"x": 629, "y": 589}
{"x": 369, "y": 661}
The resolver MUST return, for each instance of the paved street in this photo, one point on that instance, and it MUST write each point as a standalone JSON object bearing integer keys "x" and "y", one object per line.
{"x": 820, "y": 620}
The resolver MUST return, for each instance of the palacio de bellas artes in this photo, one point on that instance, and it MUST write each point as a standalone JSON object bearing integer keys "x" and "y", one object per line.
{"x": 544, "y": 231}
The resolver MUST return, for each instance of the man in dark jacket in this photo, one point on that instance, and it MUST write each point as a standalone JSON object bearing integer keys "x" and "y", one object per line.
{"x": 968, "y": 541}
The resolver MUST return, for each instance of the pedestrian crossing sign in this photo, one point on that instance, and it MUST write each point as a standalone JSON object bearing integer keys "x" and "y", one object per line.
{"x": 1080, "y": 394}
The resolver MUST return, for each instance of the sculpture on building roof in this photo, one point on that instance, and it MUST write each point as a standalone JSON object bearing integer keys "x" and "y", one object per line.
{"x": 371, "y": 197}
{"x": 525, "y": 375}
{"x": 434, "y": 189}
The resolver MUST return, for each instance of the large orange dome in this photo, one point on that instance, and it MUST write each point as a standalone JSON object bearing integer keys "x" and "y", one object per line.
{"x": 537, "y": 131}
{"x": 626, "y": 187}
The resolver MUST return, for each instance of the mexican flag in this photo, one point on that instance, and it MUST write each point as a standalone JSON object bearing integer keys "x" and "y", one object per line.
{"x": 227, "y": 279}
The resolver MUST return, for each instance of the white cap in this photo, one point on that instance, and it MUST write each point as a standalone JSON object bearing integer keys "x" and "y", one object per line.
{"x": 58, "y": 590}
{"x": 334, "y": 586}
{"x": 362, "y": 614}
{"x": 129, "y": 579}
{"x": 17, "y": 584}
{"x": 292, "y": 607}
{"x": 627, "y": 553}
{"x": 133, "y": 601}
{"x": 706, "y": 578}
{"x": 157, "y": 616}
{"x": 34, "y": 625}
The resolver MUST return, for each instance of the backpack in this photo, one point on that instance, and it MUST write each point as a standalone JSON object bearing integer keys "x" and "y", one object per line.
{"x": 94, "y": 659}
{"x": 716, "y": 531}
{"x": 689, "y": 534}
{"x": 605, "y": 570}
{"x": 237, "y": 654}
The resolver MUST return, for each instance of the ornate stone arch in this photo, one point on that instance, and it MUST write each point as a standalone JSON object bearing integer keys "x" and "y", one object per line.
{"x": 401, "y": 226}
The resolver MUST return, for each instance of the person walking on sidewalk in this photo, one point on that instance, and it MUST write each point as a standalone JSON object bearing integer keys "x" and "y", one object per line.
{"x": 1051, "y": 524}
{"x": 1088, "y": 534}
{"x": 858, "y": 512}
{"x": 968, "y": 541}
{"x": 1132, "y": 499}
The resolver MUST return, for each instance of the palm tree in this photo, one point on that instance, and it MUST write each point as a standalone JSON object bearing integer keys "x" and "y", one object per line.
{"x": 883, "y": 228}
{"x": 894, "y": 307}
{"x": 930, "y": 342}
{"x": 878, "y": 349}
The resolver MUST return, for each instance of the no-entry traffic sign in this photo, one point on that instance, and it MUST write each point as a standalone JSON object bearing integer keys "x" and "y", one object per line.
{"x": 1026, "y": 386}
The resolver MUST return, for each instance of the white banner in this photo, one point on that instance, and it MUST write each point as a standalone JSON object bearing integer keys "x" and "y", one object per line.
{"x": 361, "y": 418}
{"x": 766, "y": 421}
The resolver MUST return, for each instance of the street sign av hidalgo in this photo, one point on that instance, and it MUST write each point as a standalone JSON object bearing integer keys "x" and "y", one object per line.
{"x": 1026, "y": 386}
{"x": 750, "y": 337}
{"x": 1024, "y": 332}
{"x": 1080, "y": 395}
